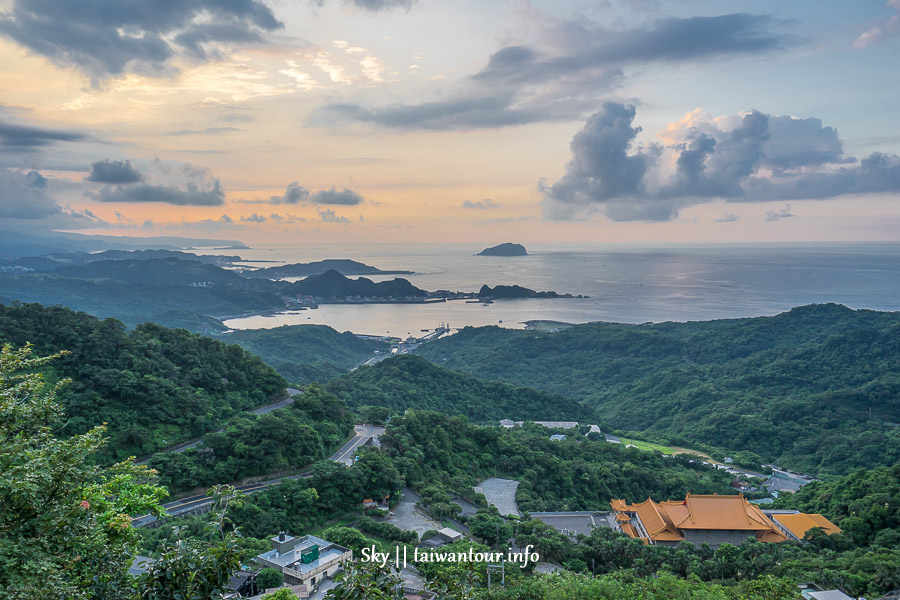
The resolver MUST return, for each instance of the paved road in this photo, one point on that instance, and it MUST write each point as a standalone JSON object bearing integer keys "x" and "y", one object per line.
{"x": 257, "y": 411}
{"x": 345, "y": 455}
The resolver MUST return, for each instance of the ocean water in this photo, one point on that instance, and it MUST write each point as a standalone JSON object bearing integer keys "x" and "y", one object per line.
{"x": 626, "y": 283}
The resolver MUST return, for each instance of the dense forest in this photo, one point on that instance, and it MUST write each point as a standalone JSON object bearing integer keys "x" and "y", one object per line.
{"x": 408, "y": 381}
{"x": 815, "y": 388}
{"x": 153, "y": 386}
{"x": 576, "y": 474}
{"x": 281, "y": 441}
{"x": 304, "y": 353}
{"x": 865, "y": 504}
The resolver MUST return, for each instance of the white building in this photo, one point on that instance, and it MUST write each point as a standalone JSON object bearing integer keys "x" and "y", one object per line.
{"x": 305, "y": 560}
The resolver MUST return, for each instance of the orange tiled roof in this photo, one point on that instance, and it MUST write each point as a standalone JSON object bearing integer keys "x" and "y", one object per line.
{"x": 801, "y": 523}
{"x": 665, "y": 521}
{"x": 723, "y": 512}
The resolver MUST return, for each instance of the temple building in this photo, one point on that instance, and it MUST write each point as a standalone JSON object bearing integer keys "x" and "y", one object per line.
{"x": 697, "y": 519}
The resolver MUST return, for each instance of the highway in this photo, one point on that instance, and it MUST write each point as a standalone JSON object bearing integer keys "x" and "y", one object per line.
{"x": 346, "y": 454}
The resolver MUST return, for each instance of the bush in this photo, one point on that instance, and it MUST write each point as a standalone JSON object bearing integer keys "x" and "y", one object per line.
{"x": 269, "y": 578}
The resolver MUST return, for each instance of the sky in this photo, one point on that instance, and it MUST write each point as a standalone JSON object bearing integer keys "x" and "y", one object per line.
{"x": 433, "y": 121}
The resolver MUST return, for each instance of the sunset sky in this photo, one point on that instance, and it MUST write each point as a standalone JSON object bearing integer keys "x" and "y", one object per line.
{"x": 437, "y": 120}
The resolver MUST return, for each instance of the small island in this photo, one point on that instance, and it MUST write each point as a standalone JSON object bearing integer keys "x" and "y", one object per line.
{"x": 507, "y": 249}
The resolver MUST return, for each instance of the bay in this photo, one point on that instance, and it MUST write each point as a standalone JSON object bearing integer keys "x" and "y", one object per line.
{"x": 626, "y": 283}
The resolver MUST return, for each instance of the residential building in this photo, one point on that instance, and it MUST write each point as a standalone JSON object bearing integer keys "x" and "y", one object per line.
{"x": 305, "y": 561}
{"x": 698, "y": 519}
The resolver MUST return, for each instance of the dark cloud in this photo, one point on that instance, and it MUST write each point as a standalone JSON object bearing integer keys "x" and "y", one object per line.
{"x": 777, "y": 215}
{"x": 480, "y": 204}
{"x": 110, "y": 37}
{"x": 114, "y": 171}
{"x": 192, "y": 195}
{"x": 24, "y": 137}
{"x": 751, "y": 158}
{"x": 298, "y": 194}
{"x": 328, "y": 216}
{"x": 578, "y": 61}
{"x": 254, "y": 218}
{"x": 343, "y": 197}
{"x": 24, "y": 196}
{"x": 728, "y": 218}
{"x": 293, "y": 194}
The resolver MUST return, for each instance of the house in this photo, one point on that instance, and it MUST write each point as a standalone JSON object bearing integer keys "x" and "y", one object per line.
{"x": 794, "y": 526}
{"x": 241, "y": 585}
{"x": 558, "y": 437}
{"x": 305, "y": 561}
{"x": 698, "y": 519}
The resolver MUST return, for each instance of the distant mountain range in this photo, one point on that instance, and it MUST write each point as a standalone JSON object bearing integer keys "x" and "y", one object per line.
{"x": 343, "y": 266}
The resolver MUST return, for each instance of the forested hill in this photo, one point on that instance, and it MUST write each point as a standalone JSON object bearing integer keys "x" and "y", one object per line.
{"x": 154, "y": 386}
{"x": 304, "y": 353}
{"x": 816, "y": 388}
{"x": 408, "y": 381}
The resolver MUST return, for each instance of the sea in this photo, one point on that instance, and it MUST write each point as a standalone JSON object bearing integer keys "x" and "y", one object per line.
{"x": 623, "y": 283}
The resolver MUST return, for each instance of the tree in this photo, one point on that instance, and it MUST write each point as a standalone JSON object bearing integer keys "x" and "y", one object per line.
{"x": 269, "y": 578}
{"x": 189, "y": 570}
{"x": 366, "y": 581}
{"x": 491, "y": 527}
{"x": 281, "y": 594}
{"x": 65, "y": 529}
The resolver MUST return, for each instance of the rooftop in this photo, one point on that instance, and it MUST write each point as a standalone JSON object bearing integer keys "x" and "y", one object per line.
{"x": 291, "y": 559}
{"x": 667, "y": 521}
{"x": 799, "y": 524}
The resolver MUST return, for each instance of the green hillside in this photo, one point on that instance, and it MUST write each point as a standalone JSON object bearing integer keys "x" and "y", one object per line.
{"x": 408, "y": 381}
{"x": 303, "y": 353}
{"x": 816, "y": 388}
{"x": 154, "y": 386}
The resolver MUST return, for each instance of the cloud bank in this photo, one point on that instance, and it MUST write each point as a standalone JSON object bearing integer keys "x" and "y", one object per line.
{"x": 579, "y": 60}
{"x": 113, "y": 171}
{"x": 111, "y": 37}
{"x": 754, "y": 157}
{"x": 298, "y": 194}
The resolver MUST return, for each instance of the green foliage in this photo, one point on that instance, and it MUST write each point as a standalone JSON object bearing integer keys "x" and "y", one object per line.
{"x": 189, "y": 570}
{"x": 493, "y": 529}
{"x": 429, "y": 447}
{"x": 64, "y": 525}
{"x": 279, "y": 441}
{"x": 153, "y": 386}
{"x": 815, "y": 388}
{"x": 281, "y": 594}
{"x": 305, "y": 504}
{"x": 269, "y": 578}
{"x": 305, "y": 353}
{"x": 408, "y": 381}
{"x": 387, "y": 531}
{"x": 348, "y": 538}
{"x": 366, "y": 581}
{"x": 624, "y": 586}
{"x": 865, "y": 504}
